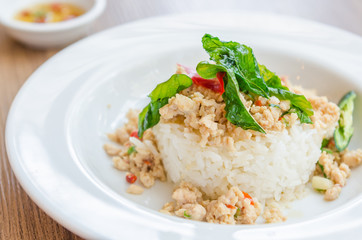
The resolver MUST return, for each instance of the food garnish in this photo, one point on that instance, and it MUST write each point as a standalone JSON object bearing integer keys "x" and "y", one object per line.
{"x": 245, "y": 74}
{"x": 131, "y": 150}
{"x": 230, "y": 206}
{"x": 246, "y": 195}
{"x": 131, "y": 178}
{"x": 150, "y": 115}
{"x": 344, "y": 131}
{"x": 134, "y": 134}
{"x": 237, "y": 214}
{"x": 186, "y": 215}
{"x": 299, "y": 104}
{"x": 322, "y": 169}
{"x": 325, "y": 143}
{"x": 216, "y": 84}
{"x": 235, "y": 69}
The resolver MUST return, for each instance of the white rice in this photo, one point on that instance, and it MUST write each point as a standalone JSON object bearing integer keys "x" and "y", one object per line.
{"x": 265, "y": 166}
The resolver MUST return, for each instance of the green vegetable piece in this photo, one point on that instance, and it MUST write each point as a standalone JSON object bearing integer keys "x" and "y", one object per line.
{"x": 324, "y": 143}
{"x": 322, "y": 169}
{"x": 344, "y": 131}
{"x": 150, "y": 115}
{"x": 240, "y": 60}
{"x": 299, "y": 104}
{"x": 186, "y": 215}
{"x": 286, "y": 122}
{"x": 304, "y": 118}
{"x": 245, "y": 74}
{"x": 327, "y": 150}
{"x": 131, "y": 150}
{"x": 168, "y": 89}
{"x": 272, "y": 80}
{"x": 237, "y": 214}
{"x": 208, "y": 70}
{"x": 236, "y": 112}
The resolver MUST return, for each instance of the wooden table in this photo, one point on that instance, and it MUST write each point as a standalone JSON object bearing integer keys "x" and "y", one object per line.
{"x": 20, "y": 218}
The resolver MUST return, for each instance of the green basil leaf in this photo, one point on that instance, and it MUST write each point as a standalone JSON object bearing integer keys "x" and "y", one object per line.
{"x": 208, "y": 70}
{"x": 168, "y": 89}
{"x": 299, "y": 103}
{"x": 236, "y": 112}
{"x": 239, "y": 59}
{"x": 272, "y": 80}
{"x": 150, "y": 115}
{"x": 246, "y": 75}
{"x": 302, "y": 116}
{"x": 325, "y": 143}
{"x": 131, "y": 150}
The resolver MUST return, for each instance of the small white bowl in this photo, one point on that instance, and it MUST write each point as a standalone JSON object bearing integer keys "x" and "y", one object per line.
{"x": 49, "y": 35}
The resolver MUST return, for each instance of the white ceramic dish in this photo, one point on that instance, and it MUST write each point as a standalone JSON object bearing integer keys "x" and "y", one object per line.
{"x": 49, "y": 35}
{"x": 57, "y": 123}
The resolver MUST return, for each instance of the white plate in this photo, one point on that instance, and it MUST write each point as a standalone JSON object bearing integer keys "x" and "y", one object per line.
{"x": 57, "y": 123}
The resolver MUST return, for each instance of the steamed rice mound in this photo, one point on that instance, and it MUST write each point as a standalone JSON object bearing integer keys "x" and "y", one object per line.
{"x": 264, "y": 166}
{"x": 198, "y": 145}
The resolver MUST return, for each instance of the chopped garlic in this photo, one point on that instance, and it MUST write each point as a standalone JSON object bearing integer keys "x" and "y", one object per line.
{"x": 135, "y": 189}
{"x": 321, "y": 183}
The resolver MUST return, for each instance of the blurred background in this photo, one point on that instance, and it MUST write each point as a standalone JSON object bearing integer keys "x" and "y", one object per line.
{"x": 20, "y": 218}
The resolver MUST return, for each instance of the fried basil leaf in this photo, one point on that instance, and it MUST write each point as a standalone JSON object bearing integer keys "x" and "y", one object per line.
{"x": 236, "y": 112}
{"x": 150, "y": 115}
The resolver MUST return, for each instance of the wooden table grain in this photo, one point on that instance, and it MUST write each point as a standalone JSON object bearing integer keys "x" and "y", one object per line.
{"x": 20, "y": 218}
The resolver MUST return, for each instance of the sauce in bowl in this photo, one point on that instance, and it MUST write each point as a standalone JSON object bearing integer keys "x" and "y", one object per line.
{"x": 49, "y": 13}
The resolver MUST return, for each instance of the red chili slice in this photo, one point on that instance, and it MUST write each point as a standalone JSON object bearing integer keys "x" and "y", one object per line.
{"x": 258, "y": 103}
{"x": 147, "y": 162}
{"x": 220, "y": 76}
{"x": 216, "y": 84}
{"x": 230, "y": 206}
{"x": 131, "y": 178}
{"x": 134, "y": 134}
{"x": 246, "y": 195}
{"x": 207, "y": 83}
